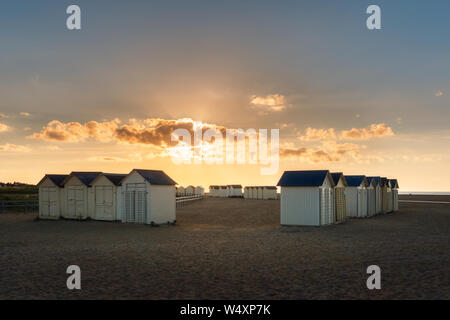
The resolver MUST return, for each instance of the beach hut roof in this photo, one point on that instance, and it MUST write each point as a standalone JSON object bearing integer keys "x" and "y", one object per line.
{"x": 270, "y": 187}
{"x": 355, "y": 181}
{"x": 336, "y": 176}
{"x": 85, "y": 177}
{"x": 235, "y": 186}
{"x": 57, "y": 179}
{"x": 394, "y": 183}
{"x": 377, "y": 180}
{"x": 115, "y": 178}
{"x": 156, "y": 177}
{"x": 310, "y": 178}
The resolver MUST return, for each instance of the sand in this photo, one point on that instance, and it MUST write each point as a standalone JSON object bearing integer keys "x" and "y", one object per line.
{"x": 229, "y": 249}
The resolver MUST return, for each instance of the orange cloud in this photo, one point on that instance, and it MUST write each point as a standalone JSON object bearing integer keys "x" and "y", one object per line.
{"x": 272, "y": 102}
{"x": 313, "y": 134}
{"x": 374, "y": 131}
{"x": 4, "y": 127}
{"x": 147, "y": 131}
{"x": 328, "y": 152}
{"x": 13, "y": 148}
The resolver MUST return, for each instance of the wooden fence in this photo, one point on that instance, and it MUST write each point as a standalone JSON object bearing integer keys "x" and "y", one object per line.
{"x": 18, "y": 206}
{"x": 24, "y": 206}
{"x": 182, "y": 201}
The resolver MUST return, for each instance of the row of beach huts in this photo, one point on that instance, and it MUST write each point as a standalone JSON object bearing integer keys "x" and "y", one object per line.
{"x": 309, "y": 198}
{"x": 141, "y": 196}
{"x": 190, "y": 191}
{"x": 319, "y": 197}
{"x": 250, "y": 192}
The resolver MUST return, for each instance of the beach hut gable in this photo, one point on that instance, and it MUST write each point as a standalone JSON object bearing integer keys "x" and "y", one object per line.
{"x": 313, "y": 178}
{"x": 51, "y": 196}
{"x": 154, "y": 177}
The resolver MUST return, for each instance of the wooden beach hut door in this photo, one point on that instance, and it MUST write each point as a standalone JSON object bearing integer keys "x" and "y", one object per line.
{"x": 49, "y": 201}
{"x": 104, "y": 206}
{"x": 340, "y": 203}
{"x": 326, "y": 206}
{"x": 75, "y": 202}
{"x": 135, "y": 203}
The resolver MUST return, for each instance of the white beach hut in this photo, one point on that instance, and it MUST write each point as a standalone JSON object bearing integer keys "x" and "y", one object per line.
{"x": 269, "y": 193}
{"x": 246, "y": 192}
{"x": 223, "y": 191}
{"x": 250, "y": 192}
{"x": 340, "y": 206}
{"x": 190, "y": 190}
{"x": 148, "y": 197}
{"x": 234, "y": 190}
{"x": 378, "y": 195}
{"x": 395, "y": 187}
{"x": 107, "y": 196}
{"x": 371, "y": 197}
{"x": 384, "y": 184}
{"x": 307, "y": 198}
{"x": 213, "y": 191}
{"x": 259, "y": 193}
{"x": 51, "y": 196}
{"x": 356, "y": 196}
{"x": 199, "y": 191}
{"x": 181, "y": 192}
{"x": 78, "y": 201}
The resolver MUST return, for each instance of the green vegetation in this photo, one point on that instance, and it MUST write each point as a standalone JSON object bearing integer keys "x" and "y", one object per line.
{"x": 19, "y": 193}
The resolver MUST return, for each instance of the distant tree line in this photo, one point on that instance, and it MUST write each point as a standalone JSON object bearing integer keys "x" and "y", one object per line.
{"x": 15, "y": 184}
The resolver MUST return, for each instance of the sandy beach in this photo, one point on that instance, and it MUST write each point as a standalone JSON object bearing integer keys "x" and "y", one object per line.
{"x": 229, "y": 249}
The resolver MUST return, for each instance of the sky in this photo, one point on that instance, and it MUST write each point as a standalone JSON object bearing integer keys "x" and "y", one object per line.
{"x": 344, "y": 98}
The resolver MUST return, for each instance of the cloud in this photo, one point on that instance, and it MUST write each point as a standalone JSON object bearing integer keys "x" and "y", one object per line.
{"x": 313, "y": 134}
{"x": 271, "y": 102}
{"x": 77, "y": 132}
{"x": 134, "y": 157}
{"x": 25, "y": 114}
{"x": 374, "y": 131}
{"x": 157, "y": 132}
{"x": 439, "y": 93}
{"x": 2, "y": 115}
{"x": 13, "y": 148}
{"x": 328, "y": 152}
{"x": 4, "y": 127}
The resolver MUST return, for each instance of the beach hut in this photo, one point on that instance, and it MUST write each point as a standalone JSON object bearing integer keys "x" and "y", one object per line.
{"x": 181, "y": 192}
{"x": 307, "y": 198}
{"x": 148, "y": 196}
{"x": 384, "y": 184}
{"x": 223, "y": 191}
{"x": 246, "y": 192}
{"x": 378, "y": 194}
{"x": 190, "y": 190}
{"x": 250, "y": 192}
{"x": 394, "y": 187}
{"x": 78, "y": 201}
{"x": 259, "y": 193}
{"x": 387, "y": 195}
{"x": 107, "y": 196}
{"x": 356, "y": 196}
{"x": 339, "y": 196}
{"x": 269, "y": 193}
{"x": 371, "y": 197}
{"x": 234, "y": 190}
{"x": 199, "y": 191}
{"x": 51, "y": 196}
